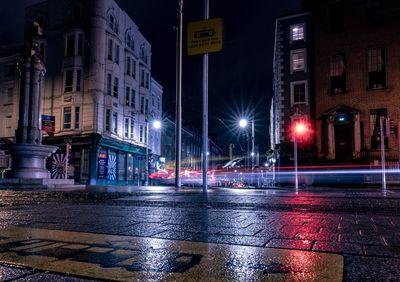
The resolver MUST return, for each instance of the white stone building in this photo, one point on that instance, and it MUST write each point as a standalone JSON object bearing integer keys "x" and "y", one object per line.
{"x": 97, "y": 89}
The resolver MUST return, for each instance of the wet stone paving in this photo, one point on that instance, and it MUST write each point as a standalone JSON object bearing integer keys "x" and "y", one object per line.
{"x": 361, "y": 225}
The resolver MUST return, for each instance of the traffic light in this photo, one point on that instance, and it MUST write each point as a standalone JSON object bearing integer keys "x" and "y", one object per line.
{"x": 301, "y": 130}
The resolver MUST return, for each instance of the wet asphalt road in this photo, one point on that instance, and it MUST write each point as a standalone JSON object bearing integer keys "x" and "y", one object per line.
{"x": 359, "y": 224}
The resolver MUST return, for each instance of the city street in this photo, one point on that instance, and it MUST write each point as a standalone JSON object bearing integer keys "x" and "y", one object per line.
{"x": 157, "y": 233}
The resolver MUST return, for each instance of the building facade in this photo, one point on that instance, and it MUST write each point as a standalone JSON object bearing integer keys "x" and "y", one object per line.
{"x": 292, "y": 78}
{"x": 352, "y": 69}
{"x": 98, "y": 94}
{"x": 356, "y": 77}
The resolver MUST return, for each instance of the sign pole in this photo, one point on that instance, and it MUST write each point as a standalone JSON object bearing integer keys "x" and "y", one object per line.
{"x": 382, "y": 119}
{"x": 205, "y": 106}
{"x": 178, "y": 125}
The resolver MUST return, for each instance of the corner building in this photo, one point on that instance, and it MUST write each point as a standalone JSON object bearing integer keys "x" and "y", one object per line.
{"x": 97, "y": 88}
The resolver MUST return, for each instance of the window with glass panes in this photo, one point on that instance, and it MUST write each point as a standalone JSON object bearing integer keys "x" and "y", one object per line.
{"x": 376, "y": 68}
{"x": 297, "y": 32}
{"x": 115, "y": 122}
{"x": 69, "y": 80}
{"x": 108, "y": 119}
{"x": 298, "y": 60}
{"x": 133, "y": 98}
{"x": 67, "y": 117}
{"x": 126, "y": 128}
{"x": 337, "y": 73}
{"x": 132, "y": 128}
{"x": 299, "y": 94}
{"x": 127, "y": 93}
{"x": 77, "y": 117}
{"x": 115, "y": 87}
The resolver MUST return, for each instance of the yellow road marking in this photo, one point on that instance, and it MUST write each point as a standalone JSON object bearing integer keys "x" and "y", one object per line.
{"x": 126, "y": 258}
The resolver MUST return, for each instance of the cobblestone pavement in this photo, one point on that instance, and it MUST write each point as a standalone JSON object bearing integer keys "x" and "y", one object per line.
{"x": 360, "y": 224}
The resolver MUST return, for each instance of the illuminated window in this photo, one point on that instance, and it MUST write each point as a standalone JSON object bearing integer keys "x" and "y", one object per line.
{"x": 298, "y": 60}
{"x": 337, "y": 73}
{"x": 297, "y": 32}
{"x": 376, "y": 68}
{"x": 298, "y": 91}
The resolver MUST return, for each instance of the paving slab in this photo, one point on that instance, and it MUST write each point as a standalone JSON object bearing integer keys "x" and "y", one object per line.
{"x": 127, "y": 258}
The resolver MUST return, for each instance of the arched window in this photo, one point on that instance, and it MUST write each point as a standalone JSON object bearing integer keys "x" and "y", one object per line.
{"x": 112, "y": 21}
{"x": 129, "y": 39}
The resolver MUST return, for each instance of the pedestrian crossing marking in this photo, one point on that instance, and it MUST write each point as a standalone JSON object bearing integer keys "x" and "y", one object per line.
{"x": 127, "y": 258}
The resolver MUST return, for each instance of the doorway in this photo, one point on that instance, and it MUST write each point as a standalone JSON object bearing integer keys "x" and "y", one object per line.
{"x": 343, "y": 142}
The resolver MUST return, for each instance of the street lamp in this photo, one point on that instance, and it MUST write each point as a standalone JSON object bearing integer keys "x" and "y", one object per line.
{"x": 156, "y": 124}
{"x": 243, "y": 124}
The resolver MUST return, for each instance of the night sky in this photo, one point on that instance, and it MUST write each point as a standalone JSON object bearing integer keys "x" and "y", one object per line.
{"x": 240, "y": 77}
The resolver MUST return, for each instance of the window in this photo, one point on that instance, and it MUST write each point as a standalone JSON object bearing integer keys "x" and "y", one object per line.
{"x": 133, "y": 68}
{"x": 146, "y": 107}
{"x": 80, "y": 44}
{"x": 142, "y": 78}
{"x": 145, "y": 135}
{"x": 115, "y": 87}
{"x": 108, "y": 119}
{"x": 126, "y": 128}
{"x": 70, "y": 45}
{"x": 67, "y": 118}
{"x": 376, "y": 68}
{"x": 112, "y": 22}
{"x": 133, "y": 98}
{"x": 77, "y": 116}
{"x": 337, "y": 74}
{"x": 147, "y": 80}
{"x": 69, "y": 79}
{"x": 298, "y": 62}
{"x": 127, "y": 93}
{"x": 116, "y": 59}
{"x": 115, "y": 122}
{"x": 298, "y": 92}
{"x": 158, "y": 104}
{"x": 129, "y": 40}
{"x": 374, "y": 120}
{"x": 78, "y": 80}
{"x": 110, "y": 49}
{"x": 141, "y": 134}
{"x": 297, "y": 32}
{"x": 109, "y": 79}
{"x": 142, "y": 105}
{"x": 132, "y": 128}
{"x": 128, "y": 65}
{"x": 152, "y": 100}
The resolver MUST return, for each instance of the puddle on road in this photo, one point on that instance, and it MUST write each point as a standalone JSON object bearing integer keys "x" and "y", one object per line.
{"x": 126, "y": 258}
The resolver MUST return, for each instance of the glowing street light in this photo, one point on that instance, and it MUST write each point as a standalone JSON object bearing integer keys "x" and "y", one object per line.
{"x": 156, "y": 124}
{"x": 243, "y": 124}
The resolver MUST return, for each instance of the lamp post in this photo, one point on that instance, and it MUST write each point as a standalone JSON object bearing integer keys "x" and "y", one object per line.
{"x": 250, "y": 155}
{"x": 156, "y": 124}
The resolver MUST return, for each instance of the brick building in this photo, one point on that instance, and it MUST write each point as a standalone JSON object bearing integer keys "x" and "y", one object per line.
{"x": 355, "y": 70}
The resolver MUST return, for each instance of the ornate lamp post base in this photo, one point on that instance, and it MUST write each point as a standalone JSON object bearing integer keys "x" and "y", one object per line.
{"x": 29, "y": 161}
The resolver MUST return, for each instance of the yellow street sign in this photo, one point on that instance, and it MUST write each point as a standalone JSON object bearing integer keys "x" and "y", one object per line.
{"x": 127, "y": 258}
{"x": 205, "y": 37}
